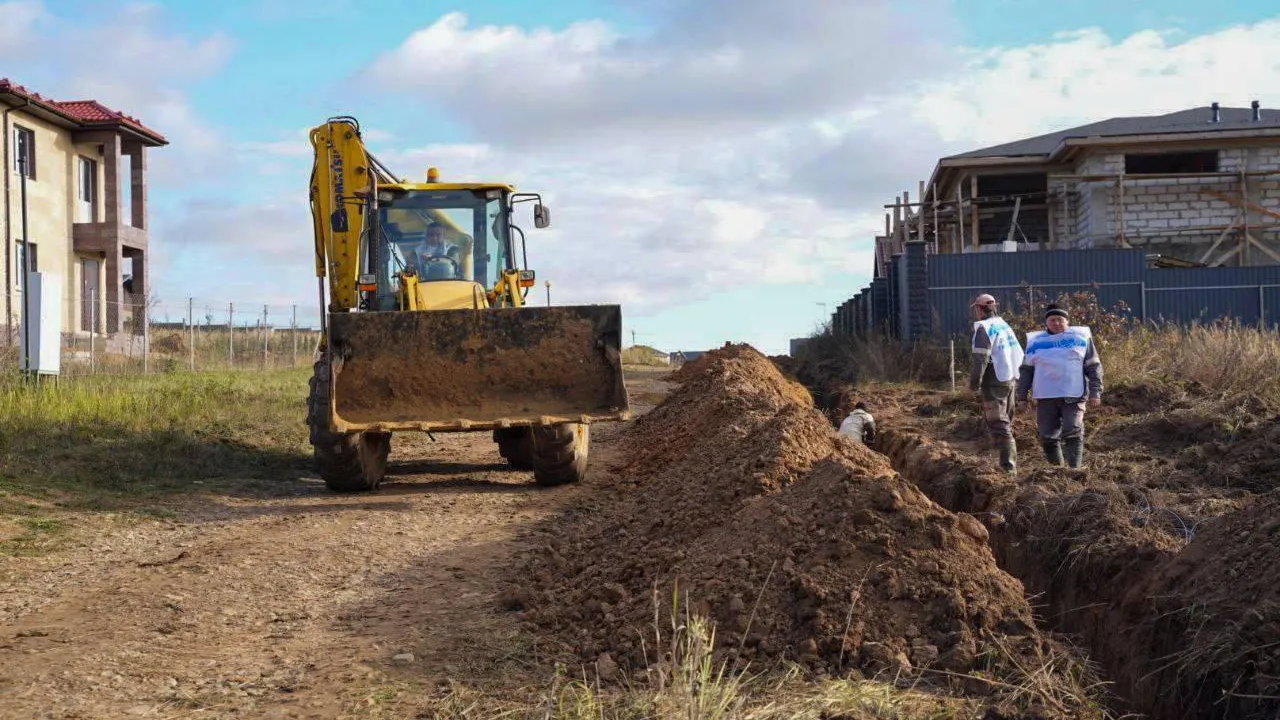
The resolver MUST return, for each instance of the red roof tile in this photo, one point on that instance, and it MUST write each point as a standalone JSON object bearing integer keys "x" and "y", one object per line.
{"x": 88, "y": 113}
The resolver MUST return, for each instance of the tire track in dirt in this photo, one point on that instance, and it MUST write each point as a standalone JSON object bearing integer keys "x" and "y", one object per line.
{"x": 282, "y": 607}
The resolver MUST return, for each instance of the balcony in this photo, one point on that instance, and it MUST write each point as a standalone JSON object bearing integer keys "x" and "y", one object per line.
{"x": 95, "y": 237}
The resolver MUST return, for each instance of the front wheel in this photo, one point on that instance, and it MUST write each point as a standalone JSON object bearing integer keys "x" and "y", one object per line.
{"x": 515, "y": 445}
{"x": 347, "y": 462}
{"x": 560, "y": 453}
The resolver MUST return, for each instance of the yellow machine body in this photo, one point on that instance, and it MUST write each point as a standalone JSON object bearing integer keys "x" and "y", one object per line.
{"x": 439, "y": 337}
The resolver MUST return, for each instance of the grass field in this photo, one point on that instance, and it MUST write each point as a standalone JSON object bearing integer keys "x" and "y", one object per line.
{"x": 107, "y": 439}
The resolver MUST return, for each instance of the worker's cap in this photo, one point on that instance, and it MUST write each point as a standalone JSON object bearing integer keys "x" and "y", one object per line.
{"x": 984, "y": 300}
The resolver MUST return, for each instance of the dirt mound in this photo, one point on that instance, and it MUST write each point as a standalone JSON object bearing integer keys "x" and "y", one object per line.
{"x": 799, "y": 544}
{"x": 171, "y": 343}
{"x": 1210, "y": 618}
{"x": 1145, "y": 397}
{"x": 786, "y": 365}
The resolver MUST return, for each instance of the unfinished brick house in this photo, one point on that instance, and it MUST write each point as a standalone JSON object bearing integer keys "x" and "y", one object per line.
{"x": 86, "y": 217}
{"x": 1194, "y": 187}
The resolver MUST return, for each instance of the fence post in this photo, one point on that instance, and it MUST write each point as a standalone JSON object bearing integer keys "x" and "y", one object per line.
{"x": 293, "y": 331}
{"x": 93, "y": 331}
{"x": 191, "y": 329}
{"x": 146, "y": 336}
{"x": 266, "y": 335}
{"x": 231, "y": 335}
{"x": 952, "y": 344}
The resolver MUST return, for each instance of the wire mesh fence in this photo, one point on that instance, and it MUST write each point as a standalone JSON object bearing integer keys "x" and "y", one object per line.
{"x": 132, "y": 336}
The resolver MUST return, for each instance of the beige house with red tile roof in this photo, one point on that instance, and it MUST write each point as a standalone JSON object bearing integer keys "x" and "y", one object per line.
{"x": 78, "y": 221}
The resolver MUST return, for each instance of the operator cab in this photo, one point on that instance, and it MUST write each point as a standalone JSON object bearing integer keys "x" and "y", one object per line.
{"x": 441, "y": 235}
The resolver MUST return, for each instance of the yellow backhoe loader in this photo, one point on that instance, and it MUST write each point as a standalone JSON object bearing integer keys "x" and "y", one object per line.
{"x": 426, "y": 326}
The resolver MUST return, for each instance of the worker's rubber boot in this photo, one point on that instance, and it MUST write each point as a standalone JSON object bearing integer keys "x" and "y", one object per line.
{"x": 1052, "y": 451}
{"x": 1074, "y": 451}
{"x": 1008, "y": 456}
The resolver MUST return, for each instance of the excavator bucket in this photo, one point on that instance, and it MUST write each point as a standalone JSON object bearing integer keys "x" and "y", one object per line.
{"x": 476, "y": 369}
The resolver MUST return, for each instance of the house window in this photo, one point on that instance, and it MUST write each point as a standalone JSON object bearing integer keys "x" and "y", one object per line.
{"x": 1167, "y": 163}
{"x": 87, "y": 195}
{"x": 19, "y": 256}
{"x": 24, "y": 152}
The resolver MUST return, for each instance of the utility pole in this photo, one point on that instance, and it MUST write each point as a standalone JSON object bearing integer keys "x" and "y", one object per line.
{"x": 633, "y": 338}
{"x": 191, "y": 327}
{"x": 26, "y": 268}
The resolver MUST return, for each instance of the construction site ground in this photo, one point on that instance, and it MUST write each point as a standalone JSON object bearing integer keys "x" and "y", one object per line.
{"x": 278, "y": 599}
{"x": 1159, "y": 557}
{"x": 908, "y": 580}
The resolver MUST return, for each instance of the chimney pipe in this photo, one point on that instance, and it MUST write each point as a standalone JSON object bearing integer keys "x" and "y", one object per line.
{"x": 1257, "y": 112}
{"x": 1216, "y": 116}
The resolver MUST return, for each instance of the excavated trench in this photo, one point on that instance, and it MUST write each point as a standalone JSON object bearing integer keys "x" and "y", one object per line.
{"x": 1182, "y": 630}
{"x": 735, "y": 501}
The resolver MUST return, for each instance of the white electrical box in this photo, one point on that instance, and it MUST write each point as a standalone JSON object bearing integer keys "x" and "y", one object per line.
{"x": 43, "y": 338}
{"x": 1009, "y": 245}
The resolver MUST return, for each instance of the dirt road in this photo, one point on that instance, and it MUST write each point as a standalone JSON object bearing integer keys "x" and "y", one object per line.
{"x": 301, "y": 604}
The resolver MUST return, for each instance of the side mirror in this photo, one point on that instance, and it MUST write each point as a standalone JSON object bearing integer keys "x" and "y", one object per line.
{"x": 541, "y": 216}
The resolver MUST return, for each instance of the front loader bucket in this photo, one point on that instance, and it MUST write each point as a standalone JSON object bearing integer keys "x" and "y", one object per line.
{"x": 477, "y": 369}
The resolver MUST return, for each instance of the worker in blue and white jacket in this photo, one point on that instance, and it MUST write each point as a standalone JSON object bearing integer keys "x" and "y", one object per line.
{"x": 1062, "y": 371}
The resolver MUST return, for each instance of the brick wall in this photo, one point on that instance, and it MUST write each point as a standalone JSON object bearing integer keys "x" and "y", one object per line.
{"x": 1160, "y": 213}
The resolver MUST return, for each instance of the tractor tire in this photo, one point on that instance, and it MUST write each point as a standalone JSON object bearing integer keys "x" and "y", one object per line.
{"x": 516, "y": 446}
{"x": 347, "y": 462}
{"x": 560, "y": 453}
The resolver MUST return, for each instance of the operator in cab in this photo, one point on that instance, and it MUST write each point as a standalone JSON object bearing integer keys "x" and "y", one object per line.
{"x": 437, "y": 259}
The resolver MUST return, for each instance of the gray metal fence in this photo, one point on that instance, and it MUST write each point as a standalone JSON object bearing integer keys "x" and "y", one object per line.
{"x": 925, "y": 296}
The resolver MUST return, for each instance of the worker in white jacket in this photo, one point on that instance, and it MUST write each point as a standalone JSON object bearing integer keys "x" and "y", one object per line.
{"x": 997, "y": 357}
{"x": 1061, "y": 371}
{"x": 859, "y": 426}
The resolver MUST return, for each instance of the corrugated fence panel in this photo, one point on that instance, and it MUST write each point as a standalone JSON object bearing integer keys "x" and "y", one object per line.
{"x": 1271, "y": 303}
{"x": 996, "y": 270}
{"x": 1246, "y": 294}
{"x": 951, "y": 313}
{"x": 1213, "y": 277}
{"x": 1184, "y": 306}
{"x": 1182, "y": 295}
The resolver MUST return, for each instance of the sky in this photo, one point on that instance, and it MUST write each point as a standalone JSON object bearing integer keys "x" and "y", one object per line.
{"x": 716, "y": 167}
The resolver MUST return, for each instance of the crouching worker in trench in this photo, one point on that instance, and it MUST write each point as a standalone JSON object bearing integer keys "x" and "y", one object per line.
{"x": 1061, "y": 369}
{"x": 859, "y": 425}
{"x": 997, "y": 356}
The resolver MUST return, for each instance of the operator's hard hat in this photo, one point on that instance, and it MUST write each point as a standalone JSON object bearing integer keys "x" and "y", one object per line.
{"x": 984, "y": 300}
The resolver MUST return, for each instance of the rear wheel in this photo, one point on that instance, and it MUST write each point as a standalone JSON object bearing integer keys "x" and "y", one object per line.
{"x": 347, "y": 462}
{"x": 560, "y": 453}
{"x": 516, "y": 446}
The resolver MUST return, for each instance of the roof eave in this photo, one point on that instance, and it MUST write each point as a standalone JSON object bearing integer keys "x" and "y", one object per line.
{"x": 30, "y": 105}
{"x": 1166, "y": 138}
{"x": 64, "y": 119}
{"x": 147, "y": 138}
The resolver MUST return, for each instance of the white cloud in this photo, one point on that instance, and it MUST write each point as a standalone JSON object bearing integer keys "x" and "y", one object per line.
{"x": 18, "y": 23}
{"x": 1085, "y": 76}
{"x": 701, "y": 157}
{"x": 761, "y": 148}
{"x": 711, "y": 65}
{"x": 128, "y": 60}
